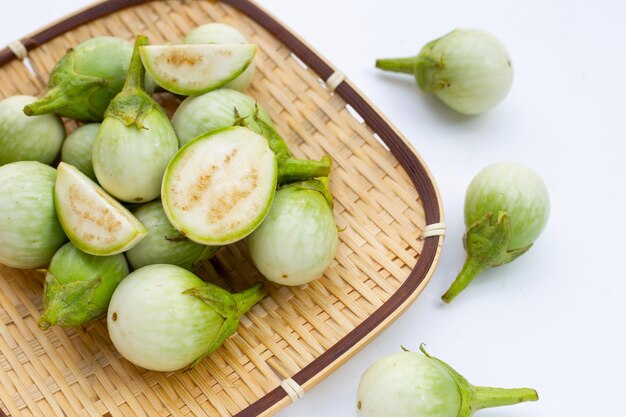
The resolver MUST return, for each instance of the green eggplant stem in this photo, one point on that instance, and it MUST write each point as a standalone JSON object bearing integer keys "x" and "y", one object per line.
{"x": 48, "y": 319}
{"x": 132, "y": 105}
{"x": 471, "y": 269}
{"x": 292, "y": 169}
{"x": 425, "y": 67}
{"x": 65, "y": 88}
{"x": 246, "y": 299}
{"x": 476, "y": 398}
{"x": 230, "y": 306}
{"x": 486, "y": 242}
{"x": 136, "y": 72}
{"x": 487, "y": 397}
{"x": 51, "y": 101}
{"x": 403, "y": 65}
{"x": 289, "y": 168}
{"x": 275, "y": 141}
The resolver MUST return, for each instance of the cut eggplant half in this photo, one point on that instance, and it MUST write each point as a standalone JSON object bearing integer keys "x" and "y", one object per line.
{"x": 219, "y": 187}
{"x": 196, "y": 69}
{"x": 94, "y": 221}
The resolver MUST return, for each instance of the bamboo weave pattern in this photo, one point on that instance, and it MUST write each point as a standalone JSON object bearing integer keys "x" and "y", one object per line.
{"x": 77, "y": 372}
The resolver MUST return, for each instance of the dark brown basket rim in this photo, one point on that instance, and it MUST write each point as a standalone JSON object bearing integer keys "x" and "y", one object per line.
{"x": 398, "y": 146}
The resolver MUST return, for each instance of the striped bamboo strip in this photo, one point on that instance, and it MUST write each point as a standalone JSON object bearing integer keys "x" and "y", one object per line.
{"x": 384, "y": 196}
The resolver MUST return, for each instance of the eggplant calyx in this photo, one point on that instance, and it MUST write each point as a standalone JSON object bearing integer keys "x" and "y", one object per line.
{"x": 475, "y": 398}
{"x": 316, "y": 184}
{"x": 463, "y": 385}
{"x": 289, "y": 168}
{"x": 487, "y": 240}
{"x": 230, "y": 306}
{"x": 66, "y": 88}
{"x": 132, "y": 105}
{"x": 487, "y": 245}
{"x": 70, "y": 304}
{"x": 241, "y": 120}
{"x": 429, "y": 67}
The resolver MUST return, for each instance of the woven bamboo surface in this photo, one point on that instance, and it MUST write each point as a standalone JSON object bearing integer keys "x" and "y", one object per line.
{"x": 77, "y": 372}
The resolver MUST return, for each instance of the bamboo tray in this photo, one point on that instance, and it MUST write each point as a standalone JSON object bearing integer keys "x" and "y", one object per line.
{"x": 384, "y": 198}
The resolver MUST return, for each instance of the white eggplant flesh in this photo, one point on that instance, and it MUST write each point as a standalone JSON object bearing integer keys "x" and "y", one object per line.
{"x": 220, "y": 186}
{"x": 222, "y": 33}
{"x": 196, "y": 69}
{"x": 94, "y": 221}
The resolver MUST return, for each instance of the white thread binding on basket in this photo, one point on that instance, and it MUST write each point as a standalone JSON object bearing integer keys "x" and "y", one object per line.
{"x": 293, "y": 389}
{"x": 18, "y": 49}
{"x": 435, "y": 229}
{"x": 21, "y": 53}
{"x": 334, "y": 80}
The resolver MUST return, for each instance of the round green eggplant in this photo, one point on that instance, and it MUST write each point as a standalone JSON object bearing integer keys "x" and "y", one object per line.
{"x": 85, "y": 80}
{"x": 164, "y": 318}
{"x": 506, "y": 208}
{"x": 164, "y": 244}
{"x": 78, "y": 148}
{"x": 298, "y": 239}
{"x": 79, "y": 286}
{"x": 24, "y": 138}
{"x": 413, "y": 384}
{"x": 215, "y": 110}
{"x": 135, "y": 141}
{"x": 468, "y": 69}
{"x": 30, "y": 232}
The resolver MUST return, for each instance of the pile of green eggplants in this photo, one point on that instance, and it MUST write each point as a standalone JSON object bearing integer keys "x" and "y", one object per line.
{"x": 144, "y": 201}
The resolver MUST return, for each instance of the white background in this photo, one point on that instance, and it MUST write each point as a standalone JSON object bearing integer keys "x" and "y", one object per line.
{"x": 554, "y": 319}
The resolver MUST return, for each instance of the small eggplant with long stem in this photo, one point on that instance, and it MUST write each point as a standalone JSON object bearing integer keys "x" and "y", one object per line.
{"x": 413, "y": 384}
{"x": 164, "y": 318}
{"x": 135, "y": 141}
{"x": 468, "y": 69}
{"x": 85, "y": 80}
{"x": 506, "y": 209}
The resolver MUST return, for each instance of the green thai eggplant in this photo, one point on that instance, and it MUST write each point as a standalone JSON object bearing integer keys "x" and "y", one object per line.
{"x": 164, "y": 318}
{"x": 78, "y": 148}
{"x": 79, "y": 286}
{"x": 85, "y": 80}
{"x": 135, "y": 141}
{"x": 24, "y": 138}
{"x": 30, "y": 232}
{"x": 164, "y": 244}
